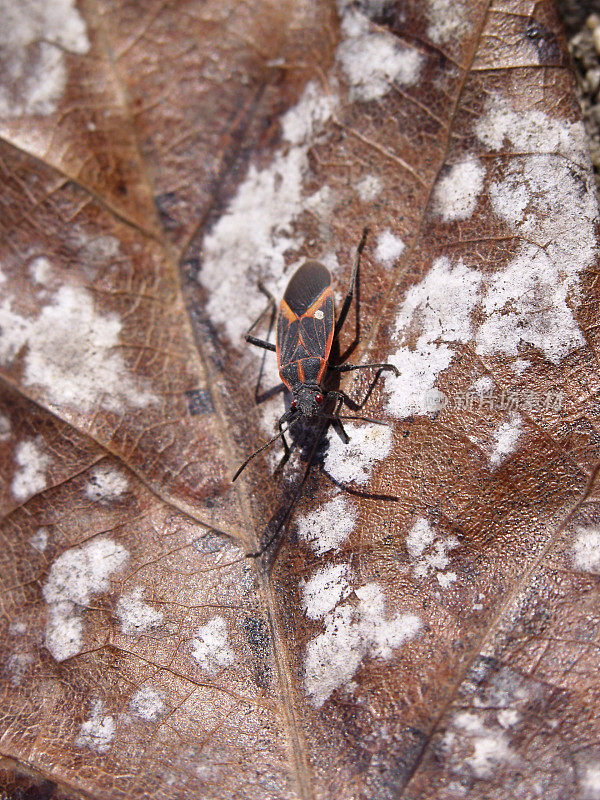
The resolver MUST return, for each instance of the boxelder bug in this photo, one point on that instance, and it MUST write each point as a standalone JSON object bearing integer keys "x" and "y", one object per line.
{"x": 305, "y": 333}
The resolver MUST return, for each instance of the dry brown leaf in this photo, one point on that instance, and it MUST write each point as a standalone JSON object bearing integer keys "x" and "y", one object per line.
{"x": 425, "y": 624}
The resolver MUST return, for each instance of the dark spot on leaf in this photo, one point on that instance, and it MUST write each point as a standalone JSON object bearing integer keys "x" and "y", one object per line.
{"x": 545, "y": 42}
{"x": 199, "y": 402}
{"x": 208, "y": 543}
{"x": 257, "y": 635}
{"x": 166, "y": 205}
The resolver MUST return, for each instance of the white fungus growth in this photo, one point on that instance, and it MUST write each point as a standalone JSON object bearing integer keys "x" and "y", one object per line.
{"x": 253, "y": 235}
{"x": 17, "y": 665}
{"x": 39, "y": 540}
{"x": 97, "y": 732}
{"x": 34, "y": 37}
{"x": 368, "y": 188}
{"x": 135, "y": 616}
{"x": 17, "y": 628}
{"x": 520, "y": 365}
{"x": 372, "y": 59}
{"x": 106, "y": 484}
{"x": 72, "y": 353}
{"x": 324, "y": 590}
{"x": 147, "y": 703}
{"x": 439, "y": 308}
{"x": 351, "y": 633}
{"x": 329, "y": 526}
{"x": 5, "y": 428}
{"x": 586, "y": 550}
{"x": 211, "y": 649}
{"x": 483, "y": 385}
{"x": 506, "y": 439}
{"x": 429, "y": 552}
{"x": 40, "y": 269}
{"x": 490, "y": 746}
{"x": 354, "y": 462}
{"x": 74, "y": 578}
{"x": 447, "y": 20}
{"x": 507, "y": 717}
{"x": 257, "y": 231}
{"x": 590, "y": 782}
{"x": 547, "y": 198}
{"x": 445, "y": 579}
{"x": 457, "y": 192}
{"x": 30, "y": 478}
{"x": 421, "y": 535}
{"x": 527, "y": 304}
{"x": 389, "y": 248}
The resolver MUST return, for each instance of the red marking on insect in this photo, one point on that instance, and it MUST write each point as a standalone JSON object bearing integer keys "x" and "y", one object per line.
{"x": 306, "y": 329}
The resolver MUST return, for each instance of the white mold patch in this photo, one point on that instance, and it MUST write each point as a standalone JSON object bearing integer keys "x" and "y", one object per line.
{"x": 257, "y": 232}
{"x": 457, "y": 192}
{"x": 329, "y": 526}
{"x": 211, "y": 649}
{"x": 97, "y": 732}
{"x": 39, "y": 540}
{"x": 354, "y": 462}
{"x": 586, "y": 550}
{"x": 508, "y": 717}
{"x": 106, "y": 484}
{"x": 17, "y": 666}
{"x": 447, "y": 20}
{"x": 5, "y": 428}
{"x": 483, "y": 385}
{"x": 446, "y": 579}
{"x": 72, "y": 353}
{"x": 40, "y": 270}
{"x": 389, "y": 248}
{"x": 34, "y": 36}
{"x": 324, "y": 590}
{"x": 30, "y": 478}
{"x": 439, "y": 308}
{"x": 147, "y": 704}
{"x": 506, "y": 438}
{"x": 546, "y": 197}
{"x": 520, "y": 365}
{"x": 136, "y": 616}
{"x": 429, "y": 552}
{"x": 251, "y": 238}
{"x": 74, "y": 578}
{"x": 17, "y": 628}
{"x": 527, "y": 304}
{"x": 372, "y": 59}
{"x": 590, "y": 782}
{"x": 490, "y": 746}
{"x": 351, "y": 633}
{"x": 368, "y": 188}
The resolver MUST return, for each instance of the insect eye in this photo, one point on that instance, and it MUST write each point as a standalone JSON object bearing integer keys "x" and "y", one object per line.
{"x": 319, "y": 398}
{"x": 294, "y": 403}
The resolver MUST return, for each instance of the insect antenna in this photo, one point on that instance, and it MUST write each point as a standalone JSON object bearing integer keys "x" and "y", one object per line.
{"x": 260, "y": 449}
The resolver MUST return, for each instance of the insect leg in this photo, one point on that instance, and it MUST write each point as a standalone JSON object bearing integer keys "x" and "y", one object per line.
{"x": 260, "y": 343}
{"x": 289, "y": 416}
{"x": 348, "y": 299}
{"x": 380, "y": 367}
{"x": 343, "y": 398}
{"x": 286, "y": 447}
{"x": 336, "y": 422}
{"x": 272, "y": 306}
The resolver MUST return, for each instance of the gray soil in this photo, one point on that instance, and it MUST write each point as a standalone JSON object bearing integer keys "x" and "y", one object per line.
{"x": 582, "y": 24}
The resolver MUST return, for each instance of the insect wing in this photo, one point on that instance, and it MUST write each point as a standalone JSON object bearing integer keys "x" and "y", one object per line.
{"x": 306, "y": 286}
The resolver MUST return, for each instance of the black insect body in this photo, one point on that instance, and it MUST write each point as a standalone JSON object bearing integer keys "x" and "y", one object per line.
{"x": 306, "y": 330}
